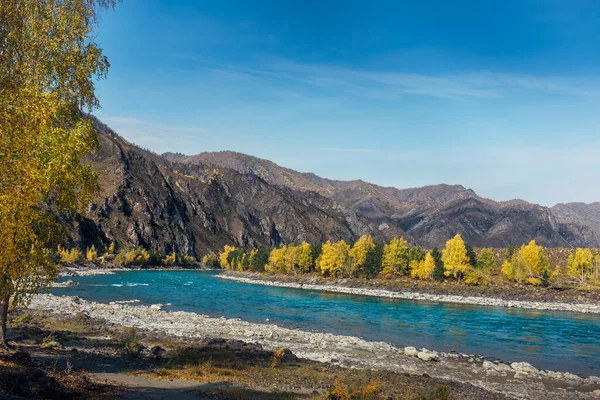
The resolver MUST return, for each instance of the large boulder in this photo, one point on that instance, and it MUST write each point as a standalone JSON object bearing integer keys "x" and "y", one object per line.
{"x": 524, "y": 367}
{"x": 411, "y": 351}
{"x": 427, "y": 355}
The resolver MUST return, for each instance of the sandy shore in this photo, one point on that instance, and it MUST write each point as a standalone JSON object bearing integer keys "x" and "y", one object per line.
{"x": 410, "y": 295}
{"x": 518, "y": 380}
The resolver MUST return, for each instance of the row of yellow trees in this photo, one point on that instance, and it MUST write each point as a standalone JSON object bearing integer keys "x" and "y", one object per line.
{"x": 527, "y": 264}
{"x": 130, "y": 256}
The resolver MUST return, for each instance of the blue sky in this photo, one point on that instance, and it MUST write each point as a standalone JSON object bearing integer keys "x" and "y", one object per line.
{"x": 501, "y": 97}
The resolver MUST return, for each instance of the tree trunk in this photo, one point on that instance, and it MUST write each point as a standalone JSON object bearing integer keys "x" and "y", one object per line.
{"x": 3, "y": 319}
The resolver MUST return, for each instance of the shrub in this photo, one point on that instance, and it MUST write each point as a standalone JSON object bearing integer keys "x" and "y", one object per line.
{"x": 136, "y": 256}
{"x": 23, "y": 319}
{"x": 339, "y": 391}
{"x": 91, "y": 254}
{"x": 170, "y": 259}
{"x": 211, "y": 260}
{"x": 70, "y": 256}
{"x": 187, "y": 261}
{"x": 441, "y": 392}
{"x": 277, "y": 357}
{"x": 478, "y": 276}
{"x": 131, "y": 342}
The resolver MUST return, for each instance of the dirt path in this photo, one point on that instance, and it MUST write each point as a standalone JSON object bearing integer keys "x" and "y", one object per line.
{"x": 142, "y": 388}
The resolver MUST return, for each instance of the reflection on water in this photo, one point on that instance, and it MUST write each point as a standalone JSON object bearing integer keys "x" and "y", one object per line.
{"x": 547, "y": 339}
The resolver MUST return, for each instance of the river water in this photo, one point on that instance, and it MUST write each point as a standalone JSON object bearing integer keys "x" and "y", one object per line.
{"x": 554, "y": 340}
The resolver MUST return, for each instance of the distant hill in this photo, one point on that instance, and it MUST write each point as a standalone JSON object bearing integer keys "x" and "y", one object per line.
{"x": 430, "y": 214}
{"x": 195, "y": 204}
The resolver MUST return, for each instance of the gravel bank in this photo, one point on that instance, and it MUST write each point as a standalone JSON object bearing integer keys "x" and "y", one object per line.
{"x": 518, "y": 380}
{"x": 408, "y": 295}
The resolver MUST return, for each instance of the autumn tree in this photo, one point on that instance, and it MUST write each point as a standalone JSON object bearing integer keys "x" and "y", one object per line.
{"x": 224, "y": 257}
{"x": 210, "y": 260}
{"x": 529, "y": 264}
{"x": 395, "y": 258}
{"x": 276, "y": 261}
{"x": 289, "y": 259}
{"x": 361, "y": 253}
{"x": 486, "y": 259}
{"x": 304, "y": 258}
{"x": 423, "y": 269}
{"x": 48, "y": 63}
{"x": 481, "y": 273}
{"x": 335, "y": 258}
{"x": 581, "y": 264}
{"x": 455, "y": 258}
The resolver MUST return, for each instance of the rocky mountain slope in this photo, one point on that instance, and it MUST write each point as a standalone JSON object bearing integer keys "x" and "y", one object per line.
{"x": 430, "y": 214}
{"x": 150, "y": 201}
{"x": 196, "y": 204}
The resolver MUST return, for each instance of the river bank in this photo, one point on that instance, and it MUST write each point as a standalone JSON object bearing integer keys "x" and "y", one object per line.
{"x": 80, "y": 357}
{"x": 374, "y": 288}
{"x": 91, "y": 269}
{"x": 518, "y": 380}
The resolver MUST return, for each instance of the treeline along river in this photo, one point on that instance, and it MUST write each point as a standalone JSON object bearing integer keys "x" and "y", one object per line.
{"x": 553, "y": 340}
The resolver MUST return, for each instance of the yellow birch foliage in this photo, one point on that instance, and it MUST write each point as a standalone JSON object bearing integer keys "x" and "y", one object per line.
{"x": 304, "y": 258}
{"x": 423, "y": 269}
{"x": 395, "y": 258}
{"x": 335, "y": 258}
{"x": 91, "y": 254}
{"x": 223, "y": 257}
{"x": 454, "y": 256}
{"x": 276, "y": 261}
{"x": 360, "y": 253}
{"x": 581, "y": 264}
{"x": 48, "y": 63}
{"x": 529, "y": 265}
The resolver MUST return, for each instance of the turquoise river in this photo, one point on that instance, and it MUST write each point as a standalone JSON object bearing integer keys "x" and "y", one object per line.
{"x": 554, "y": 340}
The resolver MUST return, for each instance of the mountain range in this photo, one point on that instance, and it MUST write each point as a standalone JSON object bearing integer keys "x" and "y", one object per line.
{"x": 194, "y": 204}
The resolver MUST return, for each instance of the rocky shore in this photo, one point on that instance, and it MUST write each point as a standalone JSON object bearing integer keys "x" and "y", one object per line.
{"x": 593, "y": 308}
{"x": 517, "y": 380}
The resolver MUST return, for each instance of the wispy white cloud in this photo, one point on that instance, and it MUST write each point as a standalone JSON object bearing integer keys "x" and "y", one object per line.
{"x": 151, "y": 133}
{"x": 390, "y": 84}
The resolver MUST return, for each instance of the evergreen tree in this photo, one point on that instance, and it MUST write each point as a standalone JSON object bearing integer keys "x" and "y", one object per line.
{"x": 472, "y": 256}
{"x": 259, "y": 259}
{"x": 416, "y": 254}
{"x": 373, "y": 264}
{"x": 438, "y": 272}
{"x": 315, "y": 251}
